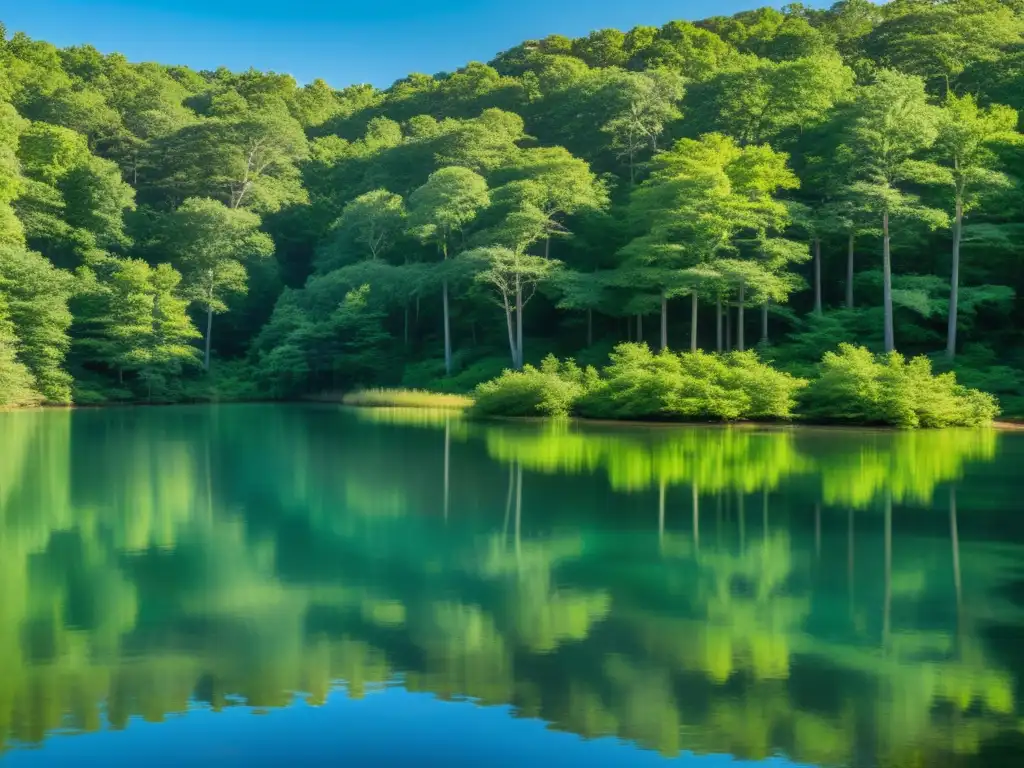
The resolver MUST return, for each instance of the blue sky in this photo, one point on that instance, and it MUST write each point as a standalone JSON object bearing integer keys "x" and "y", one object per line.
{"x": 342, "y": 41}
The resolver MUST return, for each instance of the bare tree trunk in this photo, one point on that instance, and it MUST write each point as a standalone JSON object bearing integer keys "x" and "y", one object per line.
{"x": 817, "y": 276}
{"x": 764, "y": 324}
{"x": 405, "y": 329}
{"x": 849, "y": 271}
{"x": 890, "y": 337}
{"x": 511, "y": 335}
{"x": 447, "y": 330}
{"x": 740, "y": 316}
{"x": 718, "y": 324}
{"x": 728, "y": 330}
{"x": 664, "y": 322}
{"x": 590, "y": 327}
{"x": 519, "y": 327}
{"x": 954, "y": 280}
{"x": 693, "y": 321}
{"x": 209, "y": 336}
{"x": 547, "y": 247}
{"x": 639, "y": 328}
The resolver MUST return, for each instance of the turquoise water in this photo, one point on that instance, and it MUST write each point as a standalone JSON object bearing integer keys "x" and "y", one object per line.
{"x": 271, "y": 584}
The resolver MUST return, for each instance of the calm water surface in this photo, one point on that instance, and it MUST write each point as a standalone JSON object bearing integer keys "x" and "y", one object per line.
{"x": 305, "y": 584}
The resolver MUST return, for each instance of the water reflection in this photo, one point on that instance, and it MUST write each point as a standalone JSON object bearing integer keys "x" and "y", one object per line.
{"x": 845, "y": 598}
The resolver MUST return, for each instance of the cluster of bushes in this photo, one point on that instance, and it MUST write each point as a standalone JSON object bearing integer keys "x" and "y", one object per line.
{"x": 852, "y": 386}
{"x": 554, "y": 389}
{"x": 640, "y": 384}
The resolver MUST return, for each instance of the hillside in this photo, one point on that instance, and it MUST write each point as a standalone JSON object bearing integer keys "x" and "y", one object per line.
{"x": 784, "y": 181}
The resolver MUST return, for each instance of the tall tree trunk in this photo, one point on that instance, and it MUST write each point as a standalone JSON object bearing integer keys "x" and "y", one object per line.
{"x": 693, "y": 321}
{"x": 639, "y": 328}
{"x": 590, "y": 327}
{"x": 817, "y": 276}
{"x": 519, "y": 326}
{"x": 511, "y": 335}
{"x": 740, "y": 316}
{"x": 447, "y": 330}
{"x": 664, "y": 321}
{"x": 718, "y": 324}
{"x": 547, "y": 247}
{"x": 209, "y": 336}
{"x": 890, "y": 337}
{"x": 954, "y": 280}
{"x": 728, "y": 330}
{"x": 849, "y": 271}
{"x": 764, "y": 324}
{"x": 405, "y": 328}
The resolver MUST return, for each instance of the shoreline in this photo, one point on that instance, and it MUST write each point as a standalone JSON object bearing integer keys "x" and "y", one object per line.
{"x": 1012, "y": 424}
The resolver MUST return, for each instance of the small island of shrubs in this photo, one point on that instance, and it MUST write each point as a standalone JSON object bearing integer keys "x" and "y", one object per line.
{"x": 852, "y": 386}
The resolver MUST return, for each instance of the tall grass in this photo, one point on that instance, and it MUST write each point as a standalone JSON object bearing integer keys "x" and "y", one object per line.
{"x": 405, "y": 398}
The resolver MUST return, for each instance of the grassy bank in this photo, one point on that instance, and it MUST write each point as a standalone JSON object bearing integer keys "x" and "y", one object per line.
{"x": 402, "y": 398}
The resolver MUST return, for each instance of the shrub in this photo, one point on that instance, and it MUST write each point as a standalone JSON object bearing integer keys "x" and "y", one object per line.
{"x": 639, "y": 384}
{"x": 855, "y": 386}
{"x": 550, "y": 390}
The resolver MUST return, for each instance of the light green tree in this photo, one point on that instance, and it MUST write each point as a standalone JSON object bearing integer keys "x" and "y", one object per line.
{"x": 439, "y": 213}
{"x": 967, "y": 135}
{"x": 893, "y": 123}
{"x": 210, "y": 244}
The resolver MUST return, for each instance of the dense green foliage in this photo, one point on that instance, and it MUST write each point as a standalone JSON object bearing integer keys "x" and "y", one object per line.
{"x": 782, "y": 179}
{"x": 853, "y": 386}
{"x": 551, "y": 390}
{"x": 856, "y": 387}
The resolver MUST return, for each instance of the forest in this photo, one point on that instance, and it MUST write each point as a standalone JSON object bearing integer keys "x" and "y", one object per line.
{"x": 778, "y": 181}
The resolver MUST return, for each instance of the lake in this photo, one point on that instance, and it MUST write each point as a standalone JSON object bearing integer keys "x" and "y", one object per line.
{"x": 269, "y": 584}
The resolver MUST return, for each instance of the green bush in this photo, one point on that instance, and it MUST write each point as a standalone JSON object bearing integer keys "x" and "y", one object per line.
{"x": 550, "y": 390}
{"x": 639, "y": 384}
{"x": 854, "y": 386}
